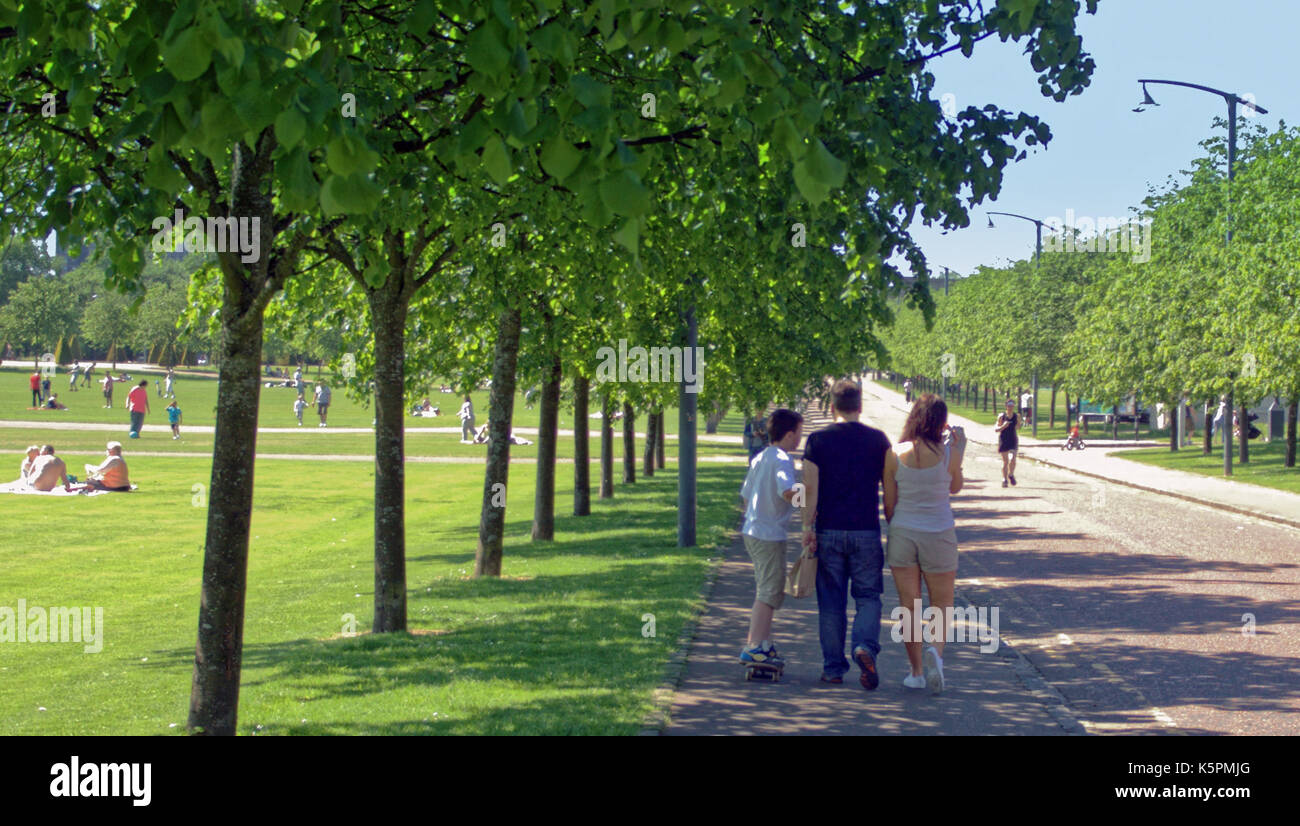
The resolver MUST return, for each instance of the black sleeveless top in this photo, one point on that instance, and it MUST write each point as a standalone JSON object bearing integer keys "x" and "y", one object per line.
{"x": 1007, "y": 438}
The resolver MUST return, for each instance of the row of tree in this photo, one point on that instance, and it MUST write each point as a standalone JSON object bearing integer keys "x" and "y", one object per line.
{"x": 1204, "y": 318}
{"x": 501, "y": 189}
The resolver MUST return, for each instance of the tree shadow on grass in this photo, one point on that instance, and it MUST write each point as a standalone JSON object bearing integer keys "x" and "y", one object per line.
{"x": 717, "y": 496}
{"x": 511, "y": 645}
{"x": 578, "y": 636}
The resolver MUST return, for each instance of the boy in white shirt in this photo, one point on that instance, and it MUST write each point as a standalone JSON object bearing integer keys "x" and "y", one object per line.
{"x": 768, "y": 491}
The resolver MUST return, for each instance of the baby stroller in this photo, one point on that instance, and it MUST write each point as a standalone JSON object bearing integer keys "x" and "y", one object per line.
{"x": 1073, "y": 441}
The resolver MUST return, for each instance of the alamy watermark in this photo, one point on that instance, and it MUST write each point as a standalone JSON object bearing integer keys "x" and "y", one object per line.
{"x": 37, "y": 624}
{"x": 683, "y": 365}
{"x": 969, "y": 624}
{"x": 1109, "y": 234}
{"x": 193, "y": 234}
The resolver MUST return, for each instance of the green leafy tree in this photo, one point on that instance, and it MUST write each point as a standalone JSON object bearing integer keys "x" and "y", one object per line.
{"x": 40, "y": 314}
{"x": 109, "y": 322}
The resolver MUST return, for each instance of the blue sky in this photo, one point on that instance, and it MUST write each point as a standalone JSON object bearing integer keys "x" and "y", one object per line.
{"x": 1103, "y": 157}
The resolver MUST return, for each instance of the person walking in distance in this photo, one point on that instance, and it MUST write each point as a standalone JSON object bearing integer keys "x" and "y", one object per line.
{"x": 842, "y": 469}
{"x": 921, "y": 473}
{"x": 137, "y": 404}
{"x": 322, "y": 401}
{"x": 466, "y": 416}
{"x": 1008, "y": 441}
{"x": 73, "y": 376}
{"x": 169, "y": 384}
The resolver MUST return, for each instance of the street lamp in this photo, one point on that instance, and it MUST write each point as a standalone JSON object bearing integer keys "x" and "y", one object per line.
{"x": 1232, "y": 100}
{"x": 1038, "y": 254}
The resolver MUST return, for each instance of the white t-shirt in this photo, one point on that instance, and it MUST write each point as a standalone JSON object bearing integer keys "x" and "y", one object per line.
{"x": 766, "y": 512}
{"x": 1026, "y": 400}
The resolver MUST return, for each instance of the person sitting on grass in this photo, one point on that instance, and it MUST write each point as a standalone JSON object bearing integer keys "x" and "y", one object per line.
{"x": 53, "y": 403}
{"x": 768, "y": 493}
{"x": 32, "y": 452}
{"x": 109, "y": 474}
{"x": 47, "y": 470}
{"x": 174, "y": 419}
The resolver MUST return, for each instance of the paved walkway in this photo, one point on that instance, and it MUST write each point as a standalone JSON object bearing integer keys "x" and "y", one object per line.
{"x": 1225, "y": 494}
{"x": 989, "y": 693}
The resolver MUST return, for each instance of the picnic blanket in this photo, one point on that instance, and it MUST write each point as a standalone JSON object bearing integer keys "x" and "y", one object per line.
{"x": 21, "y": 487}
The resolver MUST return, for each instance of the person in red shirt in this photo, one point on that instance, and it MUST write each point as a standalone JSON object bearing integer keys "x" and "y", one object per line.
{"x": 137, "y": 404}
{"x": 35, "y": 382}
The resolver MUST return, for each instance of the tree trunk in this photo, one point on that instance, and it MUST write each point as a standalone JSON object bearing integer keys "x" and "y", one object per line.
{"x": 1243, "y": 441}
{"x": 1070, "y": 420}
{"x": 581, "y": 446}
{"x": 629, "y": 444}
{"x": 388, "y": 309}
{"x": 651, "y": 439}
{"x": 659, "y": 440}
{"x": 1051, "y": 408}
{"x": 986, "y": 398}
{"x": 1114, "y": 422}
{"x": 501, "y": 404}
{"x": 606, "y": 446}
{"x": 547, "y": 437}
{"x": 218, "y": 654}
{"x": 686, "y": 444}
{"x": 1291, "y": 412}
{"x": 1207, "y": 438}
{"x": 711, "y": 425}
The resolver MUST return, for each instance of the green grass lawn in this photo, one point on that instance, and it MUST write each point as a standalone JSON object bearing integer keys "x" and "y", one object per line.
{"x": 555, "y": 646}
{"x": 1264, "y": 468}
{"x": 311, "y": 440}
{"x": 197, "y": 398}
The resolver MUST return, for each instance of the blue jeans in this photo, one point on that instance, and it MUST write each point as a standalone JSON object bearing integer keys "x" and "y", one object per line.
{"x": 841, "y": 556}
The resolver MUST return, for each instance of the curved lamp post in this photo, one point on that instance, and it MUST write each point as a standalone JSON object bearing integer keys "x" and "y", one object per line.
{"x": 1038, "y": 253}
{"x": 1232, "y": 99}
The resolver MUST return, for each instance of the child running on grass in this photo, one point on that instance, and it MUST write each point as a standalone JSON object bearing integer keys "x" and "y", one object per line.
{"x": 298, "y": 406}
{"x": 768, "y": 492}
{"x": 174, "y": 419}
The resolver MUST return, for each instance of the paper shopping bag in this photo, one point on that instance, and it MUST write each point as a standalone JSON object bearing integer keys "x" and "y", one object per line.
{"x": 802, "y": 580}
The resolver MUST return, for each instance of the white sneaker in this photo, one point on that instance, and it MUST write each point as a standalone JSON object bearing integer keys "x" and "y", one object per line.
{"x": 914, "y": 681}
{"x": 932, "y": 664}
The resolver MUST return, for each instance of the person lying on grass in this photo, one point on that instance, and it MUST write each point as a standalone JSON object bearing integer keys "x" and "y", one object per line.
{"x": 482, "y": 437}
{"x": 109, "y": 474}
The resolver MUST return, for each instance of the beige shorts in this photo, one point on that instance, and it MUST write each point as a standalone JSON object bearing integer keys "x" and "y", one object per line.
{"x": 769, "y": 569}
{"x": 934, "y": 552}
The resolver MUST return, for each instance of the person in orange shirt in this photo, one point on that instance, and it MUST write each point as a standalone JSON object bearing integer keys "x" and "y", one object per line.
{"x": 109, "y": 474}
{"x": 35, "y": 382}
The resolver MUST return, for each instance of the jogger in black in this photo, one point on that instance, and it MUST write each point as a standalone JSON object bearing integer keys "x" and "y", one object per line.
{"x": 1008, "y": 441}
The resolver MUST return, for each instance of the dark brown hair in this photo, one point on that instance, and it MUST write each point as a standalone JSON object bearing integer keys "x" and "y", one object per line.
{"x": 847, "y": 396}
{"x": 781, "y": 422}
{"x": 925, "y": 422}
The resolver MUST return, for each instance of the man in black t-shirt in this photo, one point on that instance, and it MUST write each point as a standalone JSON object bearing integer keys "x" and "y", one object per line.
{"x": 842, "y": 468}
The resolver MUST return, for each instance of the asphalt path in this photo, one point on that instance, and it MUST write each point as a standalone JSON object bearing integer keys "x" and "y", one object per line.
{"x": 1121, "y": 611}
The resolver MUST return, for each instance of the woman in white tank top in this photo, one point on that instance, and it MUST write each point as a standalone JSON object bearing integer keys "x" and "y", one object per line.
{"x": 921, "y": 472}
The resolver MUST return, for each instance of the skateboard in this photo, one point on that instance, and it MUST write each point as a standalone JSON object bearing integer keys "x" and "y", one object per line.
{"x": 763, "y": 672}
